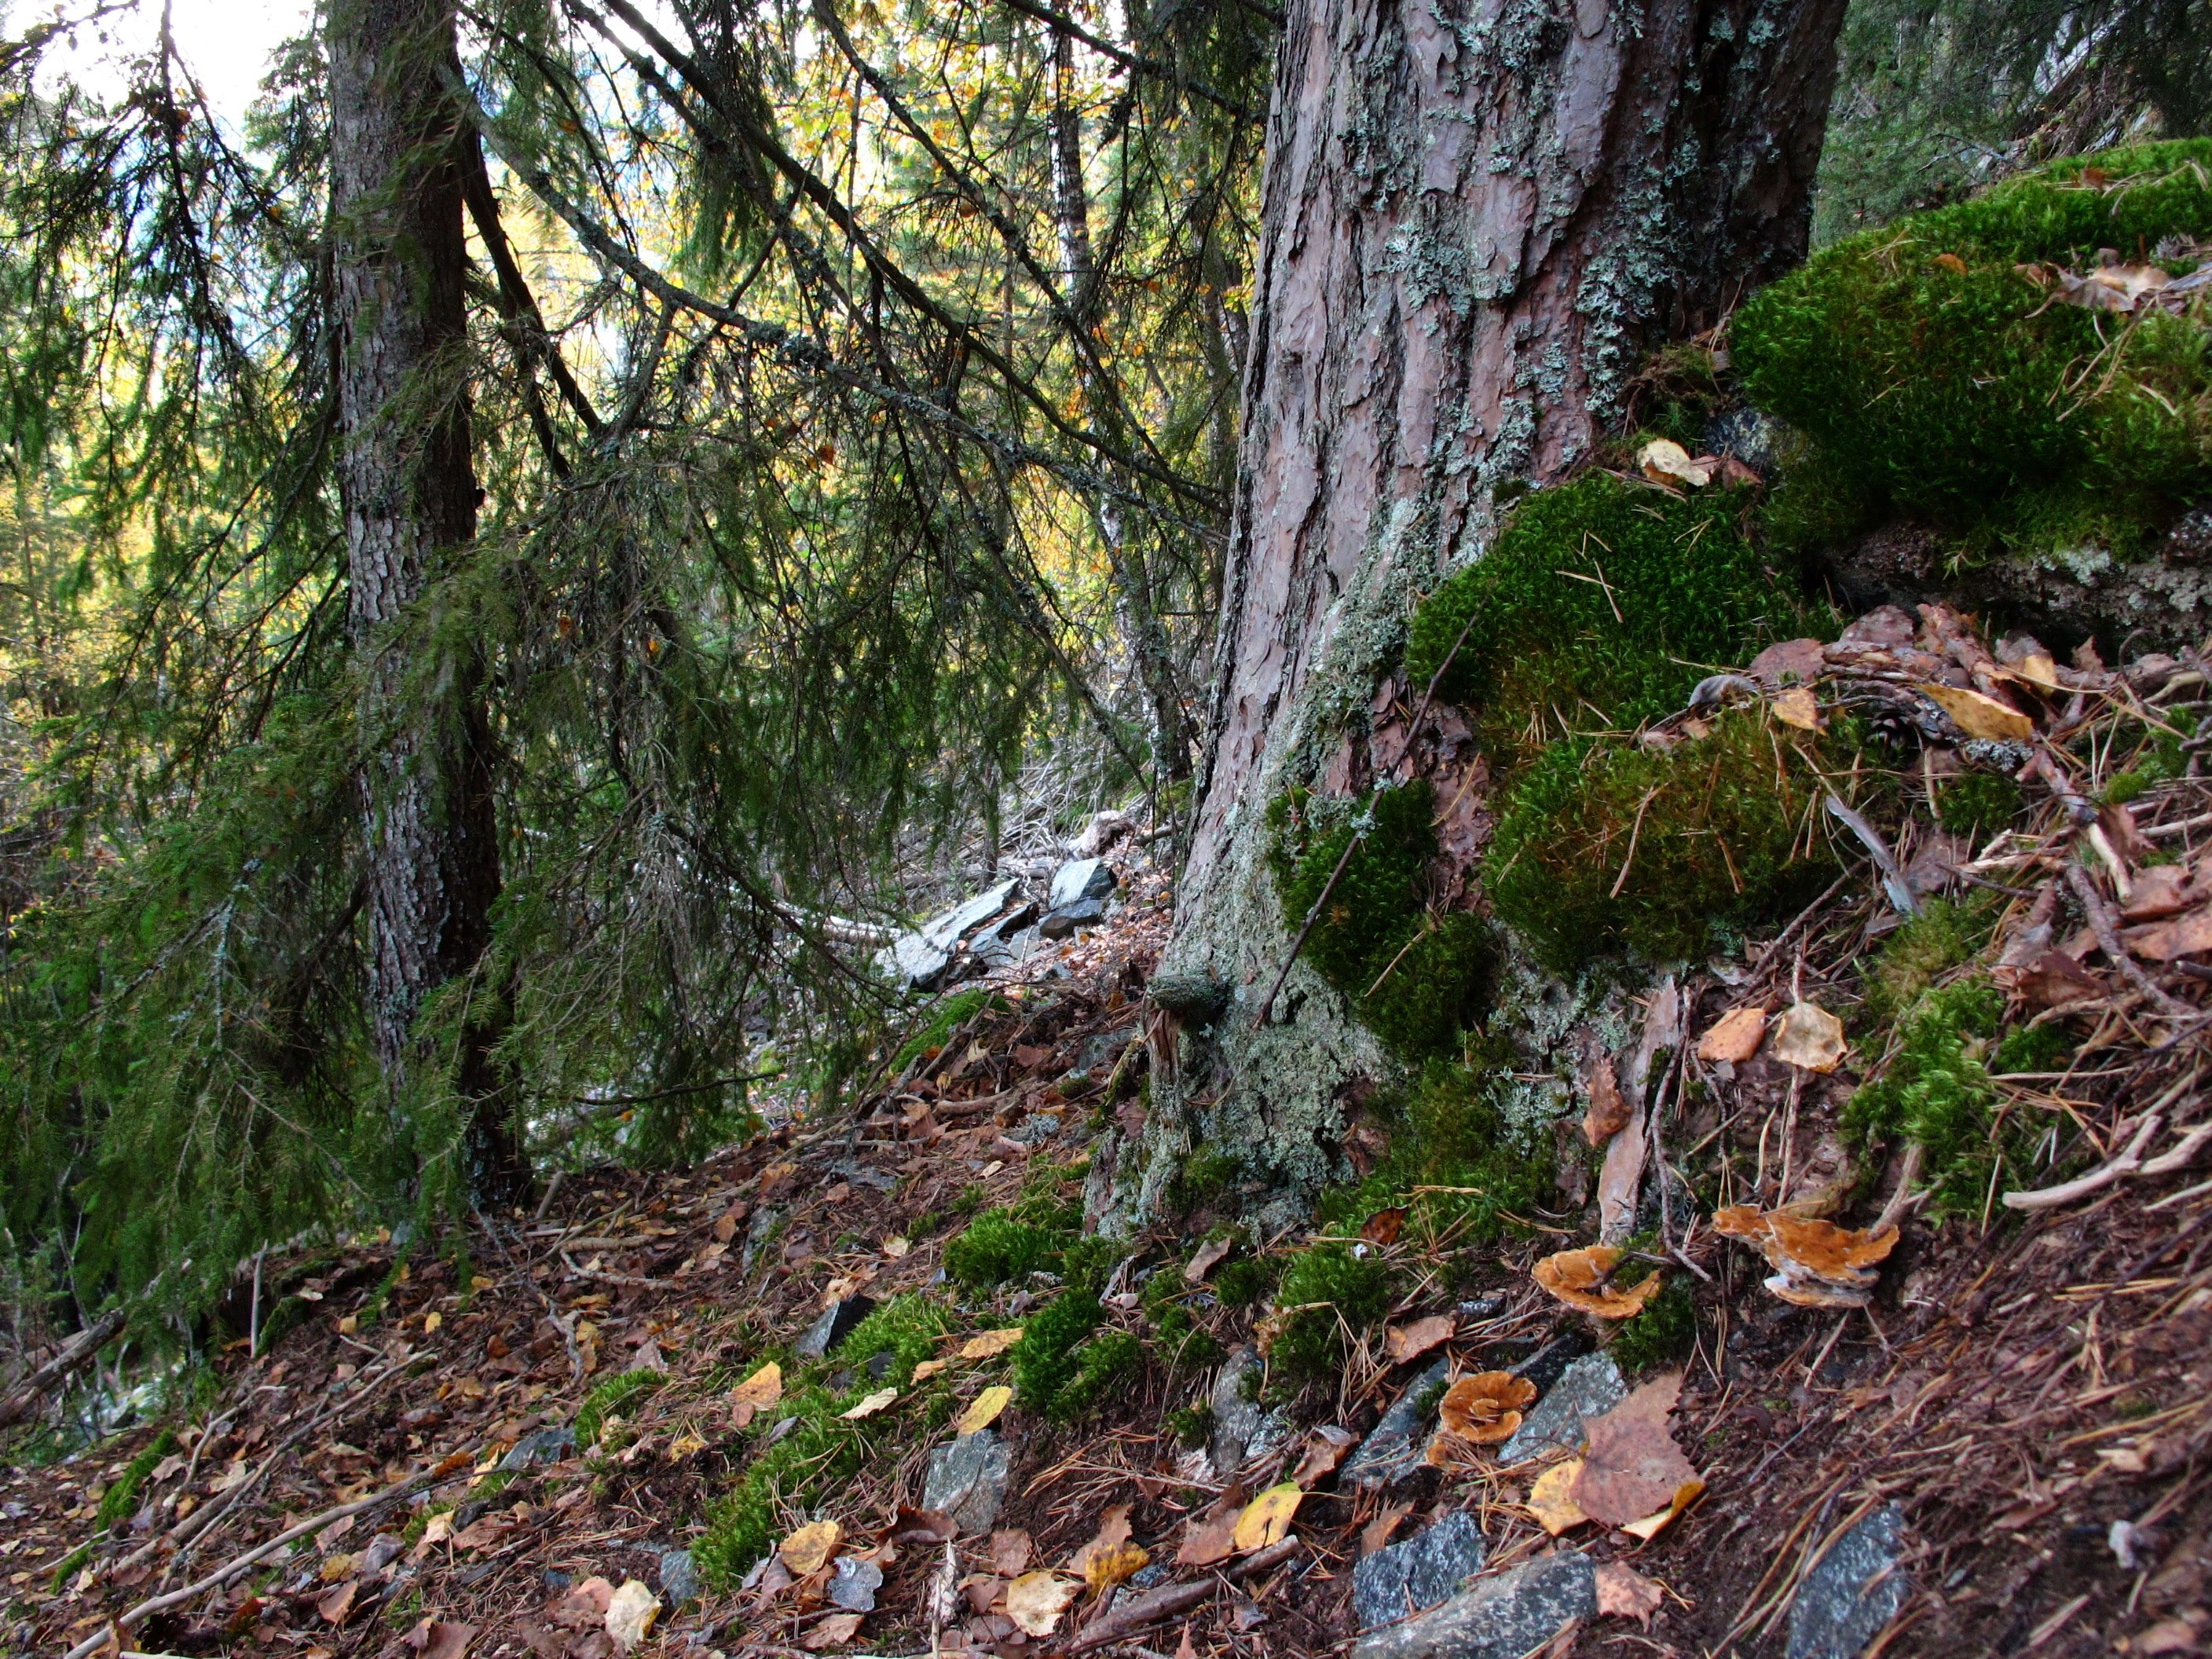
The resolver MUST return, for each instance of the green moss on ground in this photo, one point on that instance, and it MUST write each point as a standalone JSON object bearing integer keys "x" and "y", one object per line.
{"x": 1326, "y": 1295}
{"x": 1979, "y": 804}
{"x": 1942, "y": 936}
{"x": 613, "y": 1398}
{"x": 1415, "y": 977}
{"x": 947, "y": 1016}
{"x": 119, "y": 1502}
{"x": 1662, "y": 1334}
{"x": 1060, "y": 1368}
{"x": 998, "y": 1248}
{"x": 1183, "y": 1342}
{"x": 1725, "y": 830}
{"x": 1936, "y": 381}
{"x": 1603, "y": 602}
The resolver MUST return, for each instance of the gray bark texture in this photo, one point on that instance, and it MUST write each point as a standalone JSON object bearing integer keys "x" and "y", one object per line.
{"x": 1477, "y": 215}
{"x": 409, "y": 486}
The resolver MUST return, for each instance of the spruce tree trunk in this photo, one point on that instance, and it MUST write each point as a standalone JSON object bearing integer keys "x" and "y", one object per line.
{"x": 1477, "y": 215}
{"x": 409, "y": 485}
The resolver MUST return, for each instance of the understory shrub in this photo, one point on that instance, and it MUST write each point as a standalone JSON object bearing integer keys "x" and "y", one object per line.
{"x": 1937, "y": 379}
{"x": 1607, "y": 845}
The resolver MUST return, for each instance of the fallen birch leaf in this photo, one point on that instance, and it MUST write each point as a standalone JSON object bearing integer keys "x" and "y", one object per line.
{"x": 1210, "y": 1256}
{"x": 1734, "y": 1037}
{"x": 441, "y": 1638}
{"x": 1607, "y": 1112}
{"x": 1487, "y": 1406}
{"x": 630, "y": 1614}
{"x": 1551, "y": 1498}
{"x": 333, "y": 1606}
{"x": 1977, "y": 715}
{"x": 1808, "y": 1037}
{"x": 833, "y": 1631}
{"x": 990, "y": 1343}
{"x": 1110, "y": 1567}
{"x": 869, "y": 1405}
{"x": 1631, "y": 1466}
{"x": 929, "y": 1367}
{"x": 1035, "y": 1601}
{"x": 1581, "y": 1278}
{"x": 1267, "y": 1518}
{"x": 584, "y": 1605}
{"x": 438, "y": 1530}
{"x": 1664, "y": 461}
{"x": 1403, "y": 1342}
{"x": 1010, "y": 1552}
{"x": 1797, "y": 706}
{"x": 1652, "y": 1525}
{"x": 1326, "y": 1449}
{"x": 1113, "y": 1533}
{"x": 762, "y": 1388}
{"x": 807, "y": 1550}
{"x": 1377, "y": 1532}
{"x": 1383, "y": 1226}
{"x": 2164, "y": 941}
{"x": 895, "y": 1246}
{"x": 1624, "y": 1593}
{"x": 985, "y": 1410}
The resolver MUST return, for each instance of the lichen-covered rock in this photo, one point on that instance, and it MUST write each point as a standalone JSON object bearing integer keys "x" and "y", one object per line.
{"x": 1393, "y": 1449}
{"x": 1852, "y": 1591}
{"x": 1507, "y": 1617}
{"x": 968, "y": 1478}
{"x": 1590, "y": 1387}
{"x": 1417, "y": 1573}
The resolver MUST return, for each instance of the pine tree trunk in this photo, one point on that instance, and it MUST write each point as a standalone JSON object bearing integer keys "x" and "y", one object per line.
{"x": 409, "y": 485}
{"x": 1476, "y": 214}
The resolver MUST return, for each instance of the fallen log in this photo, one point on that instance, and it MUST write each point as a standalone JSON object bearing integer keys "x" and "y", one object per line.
{"x": 1170, "y": 1600}
{"x": 74, "y": 1353}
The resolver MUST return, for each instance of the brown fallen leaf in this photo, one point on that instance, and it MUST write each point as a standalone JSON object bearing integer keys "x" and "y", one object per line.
{"x": 1797, "y": 706}
{"x": 1977, "y": 716}
{"x": 1327, "y": 1448}
{"x": 1624, "y": 1593}
{"x": 585, "y": 1606}
{"x": 984, "y": 1410}
{"x": 809, "y": 1549}
{"x": 833, "y": 1631}
{"x": 1487, "y": 1406}
{"x": 1010, "y": 1552}
{"x": 1210, "y": 1255}
{"x": 928, "y": 1368}
{"x": 1808, "y": 1037}
{"x": 1113, "y": 1533}
{"x": 1211, "y": 1537}
{"x": 333, "y": 1606}
{"x": 983, "y": 1591}
{"x": 2189, "y": 935}
{"x": 1664, "y": 461}
{"x": 1631, "y": 1466}
{"x": 441, "y": 1638}
{"x": 1551, "y": 1497}
{"x": 1383, "y": 1226}
{"x": 1403, "y": 1342}
{"x": 1607, "y": 1112}
{"x": 1377, "y": 1532}
{"x": 1036, "y": 1600}
{"x": 990, "y": 1343}
{"x": 2052, "y": 981}
{"x": 1582, "y": 1279}
{"x": 1266, "y": 1519}
{"x": 923, "y": 1526}
{"x": 1736, "y": 1037}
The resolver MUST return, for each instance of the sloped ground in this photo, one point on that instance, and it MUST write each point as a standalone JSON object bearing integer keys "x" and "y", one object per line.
{"x": 2027, "y": 1387}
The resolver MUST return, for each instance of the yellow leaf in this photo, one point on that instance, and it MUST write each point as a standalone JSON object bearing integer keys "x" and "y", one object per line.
{"x": 1797, "y": 706}
{"x": 808, "y": 1549}
{"x": 929, "y": 1367}
{"x": 1665, "y": 461}
{"x": 985, "y": 1410}
{"x": 895, "y": 1248}
{"x": 763, "y": 1388}
{"x": 630, "y": 1614}
{"x": 1979, "y": 716}
{"x": 869, "y": 1407}
{"x": 1267, "y": 1518}
{"x": 990, "y": 1343}
{"x": 1652, "y": 1525}
{"x": 1808, "y": 1037}
{"x": 1036, "y": 1600}
{"x": 431, "y": 1321}
{"x": 1551, "y": 1499}
{"x": 1110, "y": 1567}
{"x": 349, "y": 1324}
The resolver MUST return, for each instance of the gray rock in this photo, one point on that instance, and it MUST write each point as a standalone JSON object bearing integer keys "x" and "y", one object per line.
{"x": 1037, "y": 1126}
{"x": 1549, "y": 1362}
{"x": 1078, "y": 879}
{"x": 1242, "y": 1432}
{"x": 915, "y": 962}
{"x": 1502, "y": 1618}
{"x": 545, "y": 1446}
{"x": 1857, "y": 1587}
{"x": 1393, "y": 1450}
{"x": 1419, "y": 1572}
{"x": 967, "y": 1479}
{"x": 834, "y": 1326}
{"x": 679, "y": 1579}
{"x": 947, "y": 930}
{"x": 1084, "y": 913}
{"x": 383, "y": 1550}
{"x": 854, "y": 1585}
{"x": 1590, "y": 1387}
{"x": 1746, "y": 433}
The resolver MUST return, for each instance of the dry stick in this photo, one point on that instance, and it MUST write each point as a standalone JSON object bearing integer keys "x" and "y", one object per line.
{"x": 1634, "y": 836}
{"x": 231, "y": 1568}
{"x": 1169, "y": 1600}
{"x": 1412, "y": 730}
{"x": 2108, "y": 938}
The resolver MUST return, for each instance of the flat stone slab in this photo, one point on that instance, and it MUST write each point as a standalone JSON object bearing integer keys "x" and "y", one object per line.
{"x": 1506, "y": 1617}
{"x": 1591, "y": 1386}
{"x": 1417, "y": 1573}
{"x": 1060, "y": 923}
{"x": 1078, "y": 879}
{"x": 834, "y": 1326}
{"x": 1242, "y": 1430}
{"x": 1393, "y": 1449}
{"x": 967, "y": 1479}
{"x": 947, "y": 930}
{"x": 1853, "y": 1591}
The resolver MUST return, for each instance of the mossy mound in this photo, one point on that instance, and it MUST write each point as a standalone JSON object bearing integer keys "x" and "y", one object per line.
{"x": 1603, "y": 602}
{"x": 613, "y": 1398}
{"x": 1329, "y": 1293}
{"x": 1938, "y": 380}
{"x": 1604, "y": 846}
{"x": 1415, "y": 977}
{"x": 1449, "y": 1135}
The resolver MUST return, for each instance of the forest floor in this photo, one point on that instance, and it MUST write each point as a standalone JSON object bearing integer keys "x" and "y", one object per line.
{"x": 2027, "y": 1390}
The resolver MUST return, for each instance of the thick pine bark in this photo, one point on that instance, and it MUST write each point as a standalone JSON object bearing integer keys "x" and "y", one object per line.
{"x": 1476, "y": 214}
{"x": 410, "y": 490}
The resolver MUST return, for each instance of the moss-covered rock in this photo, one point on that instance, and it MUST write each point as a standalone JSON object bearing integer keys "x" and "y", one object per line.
{"x": 1938, "y": 380}
{"x": 1604, "y": 845}
{"x": 1604, "y": 601}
